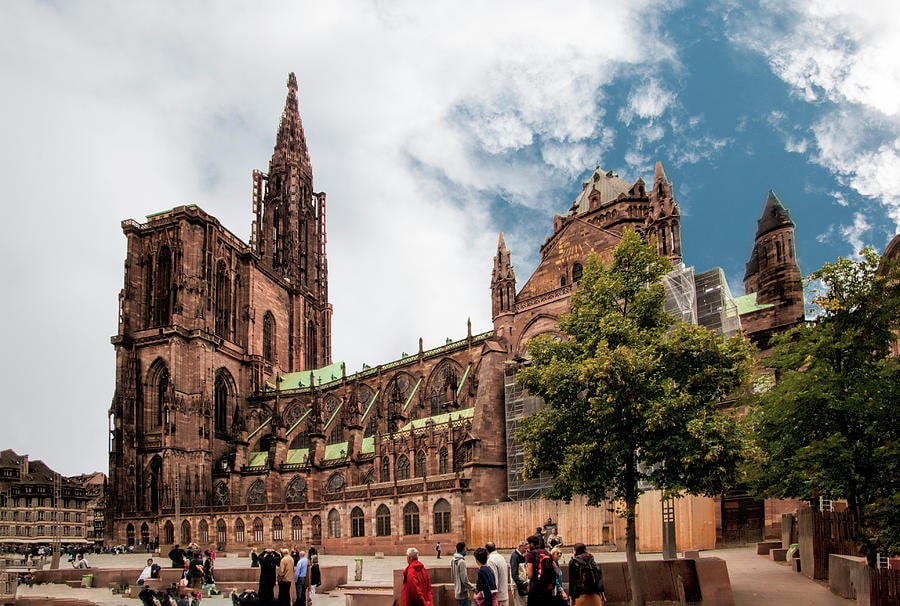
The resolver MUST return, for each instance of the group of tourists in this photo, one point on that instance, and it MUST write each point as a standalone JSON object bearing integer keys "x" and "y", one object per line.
{"x": 198, "y": 564}
{"x": 533, "y": 576}
{"x": 285, "y": 570}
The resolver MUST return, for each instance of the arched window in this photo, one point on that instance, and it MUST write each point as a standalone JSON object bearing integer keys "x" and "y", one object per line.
{"x": 145, "y": 534}
{"x": 257, "y": 530}
{"x": 203, "y": 531}
{"x": 443, "y": 461}
{"x": 316, "y": 525}
{"x": 185, "y": 532}
{"x": 441, "y": 516}
{"x": 256, "y": 494}
{"x": 444, "y": 392}
{"x": 239, "y": 530}
{"x": 420, "y": 464}
{"x": 296, "y": 529}
{"x": 410, "y": 518}
{"x": 337, "y": 432}
{"x": 296, "y": 491}
{"x": 221, "y": 532}
{"x": 334, "y": 524}
{"x": 222, "y": 398}
{"x": 129, "y": 535}
{"x": 336, "y": 483}
{"x": 402, "y": 468}
{"x": 277, "y": 529}
{"x": 357, "y": 523}
{"x": 371, "y": 425}
{"x": 235, "y": 306}
{"x": 577, "y": 271}
{"x": 312, "y": 359}
{"x": 169, "y": 532}
{"x": 383, "y": 521}
{"x": 163, "y": 299}
{"x": 220, "y": 494}
{"x": 223, "y": 301}
{"x": 268, "y": 340}
{"x": 160, "y": 393}
{"x": 385, "y": 469}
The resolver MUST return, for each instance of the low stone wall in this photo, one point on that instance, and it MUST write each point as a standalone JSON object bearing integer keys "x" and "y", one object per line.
{"x": 244, "y": 577}
{"x": 704, "y": 580}
{"x": 848, "y": 577}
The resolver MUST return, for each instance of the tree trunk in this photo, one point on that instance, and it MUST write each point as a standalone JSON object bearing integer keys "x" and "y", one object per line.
{"x": 634, "y": 573}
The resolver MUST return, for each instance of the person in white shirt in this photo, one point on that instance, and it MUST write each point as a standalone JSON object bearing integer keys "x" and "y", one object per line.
{"x": 500, "y": 567}
{"x": 147, "y": 572}
{"x": 80, "y": 562}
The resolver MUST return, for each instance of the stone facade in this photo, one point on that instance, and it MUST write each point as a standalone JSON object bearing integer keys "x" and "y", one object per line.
{"x": 231, "y": 424}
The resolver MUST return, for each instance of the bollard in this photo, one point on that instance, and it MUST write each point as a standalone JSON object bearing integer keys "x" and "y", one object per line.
{"x": 357, "y": 575}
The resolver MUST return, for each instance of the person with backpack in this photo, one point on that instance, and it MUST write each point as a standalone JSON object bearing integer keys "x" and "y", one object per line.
{"x": 585, "y": 579}
{"x": 459, "y": 576}
{"x": 541, "y": 574}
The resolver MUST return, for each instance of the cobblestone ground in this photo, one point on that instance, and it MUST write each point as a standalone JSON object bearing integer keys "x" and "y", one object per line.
{"x": 755, "y": 580}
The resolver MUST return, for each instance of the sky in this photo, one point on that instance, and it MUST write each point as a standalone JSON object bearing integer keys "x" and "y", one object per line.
{"x": 432, "y": 127}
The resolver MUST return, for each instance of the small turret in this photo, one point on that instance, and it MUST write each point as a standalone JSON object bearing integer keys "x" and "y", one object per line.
{"x": 503, "y": 291}
{"x": 664, "y": 217}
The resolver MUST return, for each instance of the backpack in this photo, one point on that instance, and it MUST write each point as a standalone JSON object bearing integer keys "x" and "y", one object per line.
{"x": 590, "y": 579}
{"x": 544, "y": 573}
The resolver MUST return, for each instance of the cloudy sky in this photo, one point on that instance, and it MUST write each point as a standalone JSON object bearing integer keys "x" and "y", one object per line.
{"x": 432, "y": 127}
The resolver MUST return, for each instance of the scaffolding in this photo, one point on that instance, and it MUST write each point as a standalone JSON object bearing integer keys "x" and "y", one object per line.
{"x": 681, "y": 301}
{"x": 716, "y": 307}
{"x": 519, "y": 405}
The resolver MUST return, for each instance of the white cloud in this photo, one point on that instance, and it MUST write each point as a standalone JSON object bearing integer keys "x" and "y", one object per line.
{"x": 412, "y": 111}
{"x": 854, "y": 234}
{"x": 844, "y": 55}
{"x": 647, "y": 101}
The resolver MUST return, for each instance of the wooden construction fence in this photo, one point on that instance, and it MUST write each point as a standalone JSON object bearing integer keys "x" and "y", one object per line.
{"x": 508, "y": 523}
{"x": 884, "y": 587}
{"x": 821, "y": 533}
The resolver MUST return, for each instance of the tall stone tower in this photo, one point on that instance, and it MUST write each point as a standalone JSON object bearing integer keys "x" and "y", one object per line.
{"x": 204, "y": 318}
{"x": 773, "y": 273}
{"x": 503, "y": 292}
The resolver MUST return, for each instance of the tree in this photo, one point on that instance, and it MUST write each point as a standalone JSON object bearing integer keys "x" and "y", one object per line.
{"x": 632, "y": 395}
{"x": 828, "y": 427}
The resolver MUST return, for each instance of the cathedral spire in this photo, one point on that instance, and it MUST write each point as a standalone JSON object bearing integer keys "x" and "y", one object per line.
{"x": 664, "y": 217}
{"x": 503, "y": 281}
{"x": 290, "y": 142}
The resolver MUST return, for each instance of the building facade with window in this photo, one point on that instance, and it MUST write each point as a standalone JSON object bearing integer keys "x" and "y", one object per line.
{"x": 39, "y": 506}
{"x": 231, "y": 424}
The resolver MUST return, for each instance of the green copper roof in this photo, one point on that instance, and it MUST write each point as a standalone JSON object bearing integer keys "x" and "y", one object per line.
{"x": 297, "y": 456}
{"x": 368, "y": 445}
{"x": 464, "y": 413}
{"x": 333, "y": 451}
{"x": 257, "y": 459}
{"x": 747, "y": 304}
{"x": 300, "y": 380}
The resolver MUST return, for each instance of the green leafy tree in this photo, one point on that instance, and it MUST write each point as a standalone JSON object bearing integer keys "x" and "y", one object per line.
{"x": 632, "y": 395}
{"x": 829, "y": 426}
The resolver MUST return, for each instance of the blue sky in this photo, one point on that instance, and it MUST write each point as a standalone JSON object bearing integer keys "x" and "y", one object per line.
{"x": 432, "y": 127}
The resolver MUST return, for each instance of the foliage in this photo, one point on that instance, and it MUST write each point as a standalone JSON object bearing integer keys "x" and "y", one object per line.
{"x": 828, "y": 427}
{"x": 632, "y": 395}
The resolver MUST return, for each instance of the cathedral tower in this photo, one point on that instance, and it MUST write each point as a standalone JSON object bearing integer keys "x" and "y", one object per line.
{"x": 664, "y": 218}
{"x": 503, "y": 291}
{"x": 772, "y": 271}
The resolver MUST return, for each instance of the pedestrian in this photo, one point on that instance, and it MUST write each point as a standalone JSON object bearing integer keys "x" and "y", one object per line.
{"x": 540, "y": 572}
{"x": 176, "y": 554}
{"x": 559, "y": 593}
{"x": 485, "y": 584}
{"x": 437, "y": 548}
{"x": 315, "y": 575}
{"x": 416, "y": 589}
{"x": 461, "y": 584}
{"x": 585, "y": 579}
{"x": 254, "y": 558}
{"x": 501, "y": 572}
{"x": 284, "y": 575}
{"x": 209, "y": 564}
{"x": 269, "y": 560}
{"x": 518, "y": 574}
{"x": 301, "y": 574}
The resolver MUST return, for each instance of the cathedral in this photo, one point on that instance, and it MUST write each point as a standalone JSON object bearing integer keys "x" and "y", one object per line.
{"x": 232, "y": 425}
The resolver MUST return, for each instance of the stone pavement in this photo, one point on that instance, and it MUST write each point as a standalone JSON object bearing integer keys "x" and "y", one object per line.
{"x": 755, "y": 580}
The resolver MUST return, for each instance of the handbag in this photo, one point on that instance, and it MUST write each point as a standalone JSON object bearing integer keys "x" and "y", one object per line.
{"x": 479, "y": 598}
